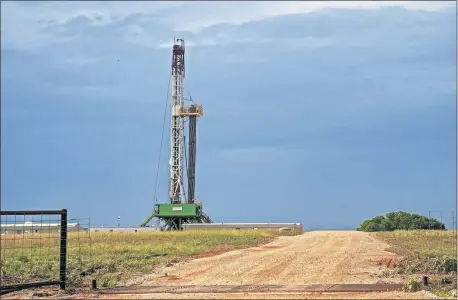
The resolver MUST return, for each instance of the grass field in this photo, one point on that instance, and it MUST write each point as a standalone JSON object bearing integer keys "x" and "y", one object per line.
{"x": 426, "y": 252}
{"x": 421, "y": 242}
{"x": 423, "y": 251}
{"x": 116, "y": 257}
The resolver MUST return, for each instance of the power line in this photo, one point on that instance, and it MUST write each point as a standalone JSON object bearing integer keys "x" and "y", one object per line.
{"x": 162, "y": 137}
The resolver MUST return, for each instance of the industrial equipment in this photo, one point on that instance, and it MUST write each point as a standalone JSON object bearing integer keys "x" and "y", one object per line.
{"x": 181, "y": 208}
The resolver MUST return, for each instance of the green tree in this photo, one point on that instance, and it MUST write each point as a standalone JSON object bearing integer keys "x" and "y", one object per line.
{"x": 400, "y": 221}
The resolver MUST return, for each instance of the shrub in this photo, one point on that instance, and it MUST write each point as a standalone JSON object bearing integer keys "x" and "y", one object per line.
{"x": 415, "y": 263}
{"x": 400, "y": 221}
{"x": 411, "y": 285}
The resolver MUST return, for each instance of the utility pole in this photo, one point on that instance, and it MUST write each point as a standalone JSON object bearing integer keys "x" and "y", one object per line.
{"x": 453, "y": 220}
{"x": 429, "y": 220}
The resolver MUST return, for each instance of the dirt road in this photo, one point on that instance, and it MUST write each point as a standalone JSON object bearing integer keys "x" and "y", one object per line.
{"x": 319, "y": 257}
{"x": 374, "y": 295}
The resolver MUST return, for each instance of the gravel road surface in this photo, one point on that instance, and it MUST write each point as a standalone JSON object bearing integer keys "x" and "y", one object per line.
{"x": 318, "y": 257}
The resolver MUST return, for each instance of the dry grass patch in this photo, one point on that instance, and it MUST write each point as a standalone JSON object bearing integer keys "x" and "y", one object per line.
{"x": 424, "y": 252}
{"x": 423, "y": 242}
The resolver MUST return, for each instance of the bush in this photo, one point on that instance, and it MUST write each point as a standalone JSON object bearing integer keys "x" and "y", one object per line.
{"x": 400, "y": 221}
{"x": 414, "y": 264}
{"x": 411, "y": 285}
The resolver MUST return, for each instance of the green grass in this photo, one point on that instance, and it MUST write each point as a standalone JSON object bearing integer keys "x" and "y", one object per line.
{"x": 423, "y": 251}
{"x": 442, "y": 292}
{"x": 117, "y": 256}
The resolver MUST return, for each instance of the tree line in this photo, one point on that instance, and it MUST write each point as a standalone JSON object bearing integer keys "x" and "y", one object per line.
{"x": 400, "y": 221}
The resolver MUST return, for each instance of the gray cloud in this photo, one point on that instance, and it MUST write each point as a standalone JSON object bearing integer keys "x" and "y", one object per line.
{"x": 346, "y": 92}
{"x": 26, "y": 26}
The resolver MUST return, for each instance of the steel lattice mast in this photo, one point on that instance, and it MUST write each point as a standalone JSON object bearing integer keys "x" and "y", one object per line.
{"x": 177, "y": 124}
{"x": 179, "y": 211}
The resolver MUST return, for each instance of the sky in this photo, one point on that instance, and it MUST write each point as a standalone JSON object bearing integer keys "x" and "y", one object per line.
{"x": 323, "y": 113}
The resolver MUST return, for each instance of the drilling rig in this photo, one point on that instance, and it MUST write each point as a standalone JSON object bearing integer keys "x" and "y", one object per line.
{"x": 181, "y": 208}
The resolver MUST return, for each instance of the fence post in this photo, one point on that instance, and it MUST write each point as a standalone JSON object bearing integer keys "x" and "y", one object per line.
{"x": 63, "y": 249}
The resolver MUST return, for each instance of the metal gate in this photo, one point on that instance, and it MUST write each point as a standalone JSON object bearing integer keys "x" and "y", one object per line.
{"x": 33, "y": 250}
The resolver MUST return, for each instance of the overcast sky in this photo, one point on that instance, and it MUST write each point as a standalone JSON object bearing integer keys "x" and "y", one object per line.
{"x": 324, "y": 113}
